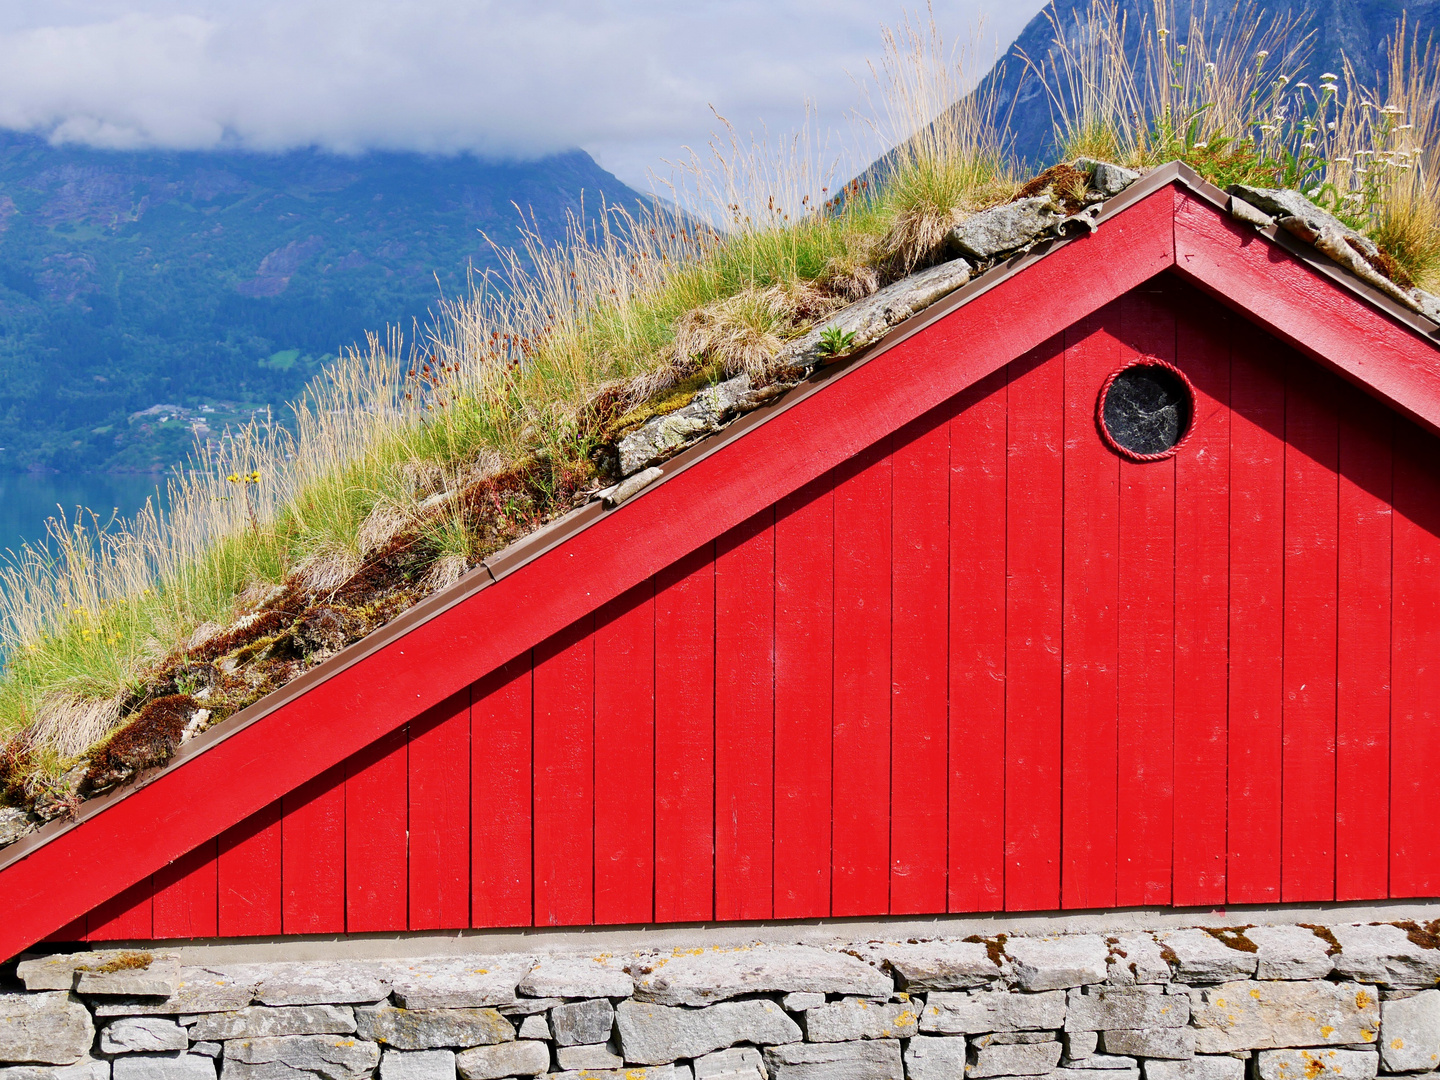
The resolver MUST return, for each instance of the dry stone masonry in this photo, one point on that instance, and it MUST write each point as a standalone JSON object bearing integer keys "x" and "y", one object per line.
{"x": 1340, "y": 1002}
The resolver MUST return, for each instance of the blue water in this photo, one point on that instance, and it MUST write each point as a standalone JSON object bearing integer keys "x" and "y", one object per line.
{"x": 27, "y": 500}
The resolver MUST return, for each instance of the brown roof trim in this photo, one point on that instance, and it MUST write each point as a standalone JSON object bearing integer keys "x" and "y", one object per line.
{"x": 535, "y": 545}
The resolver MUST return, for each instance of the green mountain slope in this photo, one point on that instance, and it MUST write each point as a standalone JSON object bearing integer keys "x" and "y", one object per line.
{"x": 146, "y": 295}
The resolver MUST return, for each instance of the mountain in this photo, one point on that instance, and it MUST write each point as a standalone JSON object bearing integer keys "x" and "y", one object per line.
{"x": 144, "y": 295}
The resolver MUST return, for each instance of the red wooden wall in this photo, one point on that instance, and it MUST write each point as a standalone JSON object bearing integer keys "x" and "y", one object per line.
{"x": 985, "y": 665}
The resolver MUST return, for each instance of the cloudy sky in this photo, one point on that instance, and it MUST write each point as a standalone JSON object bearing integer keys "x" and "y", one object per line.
{"x": 630, "y": 82}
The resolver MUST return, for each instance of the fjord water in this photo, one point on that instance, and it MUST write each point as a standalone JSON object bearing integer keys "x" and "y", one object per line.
{"x": 28, "y": 499}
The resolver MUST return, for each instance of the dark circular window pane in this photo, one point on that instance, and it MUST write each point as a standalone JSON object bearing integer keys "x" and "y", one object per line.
{"x": 1147, "y": 409}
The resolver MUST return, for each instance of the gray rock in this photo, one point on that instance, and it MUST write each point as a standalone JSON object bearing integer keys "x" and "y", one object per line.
{"x": 418, "y": 1065}
{"x": 202, "y": 990}
{"x": 582, "y": 1022}
{"x": 1410, "y": 1033}
{"x": 632, "y": 485}
{"x": 1175, "y": 1043}
{"x": 1290, "y": 952}
{"x": 1109, "y": 1063}
{"x": 57, "y": 971}
{"x": 1109, "y": 179}
{"x": 1078, "y": 1044}
{"x": 940, "y": 965}
{"x": 576, "y": 977}
{"x": 714, "y": 975}
{"x": 1271, "y": 1015}
{"x": 469, "y": 983}
{"x": 209, "y": 1049}
{"x": 143, "y": 1033}
{"x": 1384, "y": 954}
{"x": 91, "y": 1068}
{"x": 426, "y": 1029}
{"x": 737, "y": 1063}
{"x": 506, "y": 1059}
{"x": 654, "y": 1072}
{"x": 1103, "y": 1008}
{"x": 264, "y": 1021}
{"x": 1129, "y": 1072}
{"x": 1055, "y": 963}
{"x": 665, "y": 436}
{"x": 935, "y": 1057}
{"x": 595, "y": 1056}
{"x": 175, "y": 1066}
{"x": 1326, "y": 1063}
{"x": 1014, "y": 1059}
{"x": 529, "y": 1006}
{"x": 534, "y": 1027}
{"x": 1241, "y": 210}
{"x": 1201, "y": 957}
{"x": 332, "y": 1057}
{"x": 15, "y": 823}
{"x": 872, "y": 1060}
{"x": 1012, "y": 1038}
{"x": 1004, "y": 228}
{"x": 324, "y": 982}
{"x": 1197, "y": 1068}
{"x": 992, "y": 1010}
{"x": 655, "y": 1034}
{"x": 159, "y": 977}
{"x": 801, "y": 1002}
{"x": 1136, "y": 960}
{"x": 51, "y": 1028}
{"x": 857, "y": 1018}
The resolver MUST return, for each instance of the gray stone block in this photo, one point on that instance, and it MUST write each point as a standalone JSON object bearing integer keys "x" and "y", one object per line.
{"x": 1136, "y": 960}
{"x": 534, "y": 1027}
{"x": 323, "y": 982}
{"x": 992, "y": 1010}
{"x": 582, "y": 1022}
{"x": 333, "y": 1057}
{"x": 418, "y": 1065}
{"x": 595, "y": 1056}
{"x": 1014, "y": 1059}
{"x": 1108, "y": 1063}
{"x": 1128, "y": 1072}
{"x": 656, "y": 1034}
{"x": 1010, "y": 1038}
{"x": 202, "y": 990}
{"x": 715, "y": 974}
{"x": 940, "y": 965}
{"x": 737, "y": 1063}
{"x": 1100, "y": 1008}
{"x": 1177, "y": 1044}
{"x": 1200, "y": 957}
{"x": 1004, "y": 228}
{"x": 665, "y": 435}
{"x": 1410, "y": 1033}
{"x": 135, "y": 1034}
{"x": 575, "y": 977}
{"x": 51, "y": 1028}
{"x": 175, "y": 1066}
{"x": 209, "y": 1049}
{"x": 801, "y": 1002}
{"x": 60, "y": 971}
{"x": 873, "y": 1060}
{"x": 1197, "y": 1068}
{"x": 653, "y": 1072}
{"x": 1384, "y": 954}
{"x": 426, "y": 1029}
{"x": 160, "y": 977}
{"x": 1272, "y": 1015}
{"x": 1290, "y": 952}
{"x": 449, "y": 983}
{"x": 91, "y": 1068}
{"x": 265, "y": 1021}
{"x": 507, "y": 1059}
{"x": 935, "y": 1057}
{"x": 1078, "y": 1044}
{"x": 525, "y": 1006}
{"x": 1109, "y": 179}
{"x": 1055, "y": 963}
{"x": 857, "y": 1018}
{"x": 1325, "y": 1063}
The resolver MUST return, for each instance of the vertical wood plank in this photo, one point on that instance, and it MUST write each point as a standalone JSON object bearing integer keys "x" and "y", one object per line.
{"x": 1362, "y": 734}
{"x": 625, "y": 758}
{"x": 501, "y": 808}
{"x": 919, "y": 741}
{"x": 439, "y": 798}
{"x": 1257, "y": 557}
{"x": 685, "y": 739}
{"x": 249, "y": 875}
{"x": 186, "y": 903}
{"x": 126, "y": 917}
{"x": 376, "y": 827}
{"x": 804, "y": 692}
{"x": 565, "y": 777}
{"x": 1034, "y": 542}
{"x": 1312, "y": 431}
{"x": 1146, "y": 687}
{"x": 312, "y": 855}
{"x": 977, "y": 648}
{"x": 1202, "y": 599}
{"x": 1091, "y": 592}
{"x": 860, "y": 884}
{"x": 745, "y": 719}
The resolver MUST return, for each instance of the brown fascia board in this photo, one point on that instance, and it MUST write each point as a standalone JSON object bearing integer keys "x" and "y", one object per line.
{"x": 557, "y": 532}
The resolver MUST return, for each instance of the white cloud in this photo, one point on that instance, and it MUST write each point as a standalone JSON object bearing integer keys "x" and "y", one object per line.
{"x": 631, "y": 82}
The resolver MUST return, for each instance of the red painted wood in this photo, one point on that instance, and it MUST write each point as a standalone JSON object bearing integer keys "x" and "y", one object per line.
{"x": 1202, "y": 598}
{"x": 685, "y": 739}
{"x": 565, "y": 777}
{"x": 70, "y": 933}
{"x": 1034, "y": 493}
{"x": 977, "y": 648}
{"x": 1362, "y": 734}
{"x": 501, "y": 808}
{"x": 745, "y": 720}
{"x": 804, "y": 694}
{"x": 439, "y": 806}
{"x": 1090, "y": 581}
{"x": 376, "y": 828}
{"x": 1146, "y": 684}
{"x": 919, "y": 729}
{"x": 1312, "y": 430}
{"x": 860, "y": 840}
{"x": 248, "y": 865}
{"x": 312, "y": 856}
{"x": 1257, "y": 554}
{"x": 186, "y": 902}
{"x": 625, "y": 758}
{"x": 126, "y": 917}
{"x": 1415, "y": 676}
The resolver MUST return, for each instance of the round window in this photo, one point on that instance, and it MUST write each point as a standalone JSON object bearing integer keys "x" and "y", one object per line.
{"x": 1146, "y": 409}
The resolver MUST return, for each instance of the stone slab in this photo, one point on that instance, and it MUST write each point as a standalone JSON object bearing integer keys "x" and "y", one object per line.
{"x": 873, "y": 1060}
{"x": 534, "y": 1027}
{"x": 449, "y": 983}
{"x": 1101, "y": 1008}
{"x": 582, "y": 1022}
{"x": 1290, "y": 952}
{"x": 1274, "y": 1015}
{"x": 1197, "y": 1068}
{"x": 1175, "y": 1043}
{"x": 801, "y": 1002}
{"x": 175, "y": 1066}
{"x": 705, "y": 976}
{"x": 417, "y": 1065}
{"x": 1014, "y": 1059}
{"x": 737, "y": 1063}
{"x": 130, "y": 974}
{"x": 324, "y": 982}
{"x": 992, "y": 1010}
{"x": 859, "y": 1018}
{"x": 1056, "y": 963}
{"x": 1320, "y": 1064}
{"x": 1136, "y": 960}
{"x": 135, "y": 1034}
{"x": 1410, "y": 1033}
{"x": 49, "y": 1028}
{"x": 201, "y": 990}
{"x": 939, "y": 965}
{"x": 1383, "y": 953}
{"x": 524, "y": 1058}
{"x": 91, "y": 1068}
{"x": 266, "y": 1021}
{"x": 428, "y": 1029}
{"x": 935, "y": 1057}
{"x": 652, "y": 1034}
{"x": 334, "y": 1057}
{"x": 594, "y": 1056}
{"x": 576, "y": 977}
{"x": 652, "y": 1072}
{"x": 1202, "y": 958}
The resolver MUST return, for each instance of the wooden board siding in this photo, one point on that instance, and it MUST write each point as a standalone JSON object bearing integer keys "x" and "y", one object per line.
{"x": 984, "y": 664}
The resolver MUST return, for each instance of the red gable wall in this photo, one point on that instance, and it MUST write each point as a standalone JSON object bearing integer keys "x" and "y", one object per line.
{"x": 985, "y": 664}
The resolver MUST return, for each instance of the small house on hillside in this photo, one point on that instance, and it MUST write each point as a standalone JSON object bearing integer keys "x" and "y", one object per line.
{"x": 1110, "y": 579}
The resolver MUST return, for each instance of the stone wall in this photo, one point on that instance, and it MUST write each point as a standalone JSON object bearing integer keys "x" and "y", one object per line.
{"x": 1338, "y": 1002}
